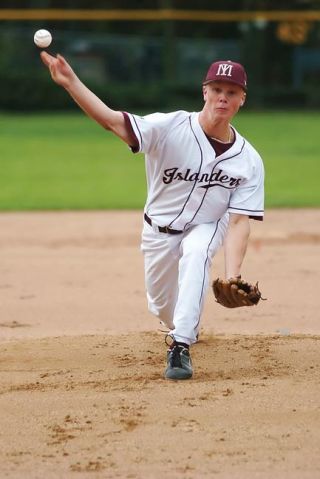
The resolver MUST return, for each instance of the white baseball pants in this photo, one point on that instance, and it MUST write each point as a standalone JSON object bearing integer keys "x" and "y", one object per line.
{"x": 177, "y": 273}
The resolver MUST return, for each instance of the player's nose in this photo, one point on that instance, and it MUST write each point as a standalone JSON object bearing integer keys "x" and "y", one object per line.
{"x": 222, "y": 99}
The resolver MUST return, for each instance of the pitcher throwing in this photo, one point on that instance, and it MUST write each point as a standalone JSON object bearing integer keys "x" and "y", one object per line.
{"x": 205, "y": 181}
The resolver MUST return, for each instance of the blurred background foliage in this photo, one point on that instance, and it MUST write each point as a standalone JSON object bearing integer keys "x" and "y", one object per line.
{"x": 159, "y": 64}
{"x": 53, "y": 157}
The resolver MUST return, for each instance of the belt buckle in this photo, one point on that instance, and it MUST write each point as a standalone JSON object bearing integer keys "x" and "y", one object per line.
{"x": 167, "y": 229}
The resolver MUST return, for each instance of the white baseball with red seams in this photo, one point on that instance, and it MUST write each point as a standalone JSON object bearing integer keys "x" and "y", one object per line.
{"x": 42, "y": 38}
{"x": 191, "y": 190}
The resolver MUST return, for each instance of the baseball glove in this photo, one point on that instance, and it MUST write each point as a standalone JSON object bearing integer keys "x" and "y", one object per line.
{"x": 235, "y": 292}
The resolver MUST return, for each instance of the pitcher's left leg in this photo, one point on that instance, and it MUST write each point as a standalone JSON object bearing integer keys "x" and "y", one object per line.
{"x": 197, "y": 250}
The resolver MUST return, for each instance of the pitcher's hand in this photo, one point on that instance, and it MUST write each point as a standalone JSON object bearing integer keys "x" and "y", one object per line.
{"x": 60, "y": 70}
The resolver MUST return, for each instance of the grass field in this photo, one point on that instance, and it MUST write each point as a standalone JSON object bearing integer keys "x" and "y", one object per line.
{"x": 66, "y": 161}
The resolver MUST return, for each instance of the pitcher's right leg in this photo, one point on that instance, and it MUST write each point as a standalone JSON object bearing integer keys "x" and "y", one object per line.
{"x": 161, "y": 273}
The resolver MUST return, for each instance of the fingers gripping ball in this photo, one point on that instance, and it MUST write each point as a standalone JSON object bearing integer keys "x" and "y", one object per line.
{"x": 234, "y": 293}
{"x": 42, "y": 38}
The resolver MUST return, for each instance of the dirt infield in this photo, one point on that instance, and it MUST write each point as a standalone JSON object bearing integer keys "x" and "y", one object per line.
{"x": 81, "y": 359}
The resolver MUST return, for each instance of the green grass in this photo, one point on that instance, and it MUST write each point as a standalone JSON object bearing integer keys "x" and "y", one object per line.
{"x": 289, "y": 143}
{"x": 66, "y": 161}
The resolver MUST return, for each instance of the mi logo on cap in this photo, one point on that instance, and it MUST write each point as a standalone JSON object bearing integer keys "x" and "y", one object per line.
{"x": 225, "y": 69}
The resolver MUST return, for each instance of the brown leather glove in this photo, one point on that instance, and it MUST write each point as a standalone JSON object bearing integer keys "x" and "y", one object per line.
{"x": 235, "y": 292}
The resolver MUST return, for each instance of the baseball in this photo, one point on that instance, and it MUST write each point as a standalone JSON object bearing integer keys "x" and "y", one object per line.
{"x": 42, "y": 38}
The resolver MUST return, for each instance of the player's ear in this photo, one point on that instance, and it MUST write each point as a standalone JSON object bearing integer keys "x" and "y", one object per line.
{"x": 243, "y": 99}
{"x": 204, "y": 92}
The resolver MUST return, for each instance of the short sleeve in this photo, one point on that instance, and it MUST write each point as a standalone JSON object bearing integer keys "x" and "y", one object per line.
{"x": 248, "y": 198}
{"x": 149, "y": 130}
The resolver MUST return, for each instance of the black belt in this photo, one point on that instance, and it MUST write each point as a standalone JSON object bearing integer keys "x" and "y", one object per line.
{"x": 163, "y": 229}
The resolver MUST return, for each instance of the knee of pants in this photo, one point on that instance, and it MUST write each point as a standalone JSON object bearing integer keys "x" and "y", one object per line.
{"x": 162, "y": 310}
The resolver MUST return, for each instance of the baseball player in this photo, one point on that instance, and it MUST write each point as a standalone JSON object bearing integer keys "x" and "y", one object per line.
{"x": 205, "y": 181}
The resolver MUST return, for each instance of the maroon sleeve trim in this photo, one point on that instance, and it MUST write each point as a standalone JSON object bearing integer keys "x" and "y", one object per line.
{"x": 134, "y": 142}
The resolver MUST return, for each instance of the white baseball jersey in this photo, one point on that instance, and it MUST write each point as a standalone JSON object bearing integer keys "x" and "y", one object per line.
{"x": 187, "y": 183}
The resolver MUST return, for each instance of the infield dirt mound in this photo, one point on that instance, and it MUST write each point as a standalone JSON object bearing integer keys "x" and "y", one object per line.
{"x": 81, "y": 361}
{"x": 98, "y": 407}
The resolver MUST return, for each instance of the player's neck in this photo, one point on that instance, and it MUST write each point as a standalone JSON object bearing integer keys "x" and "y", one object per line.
{"x": 224, "y": 137}
{"x": 217, "y": 130}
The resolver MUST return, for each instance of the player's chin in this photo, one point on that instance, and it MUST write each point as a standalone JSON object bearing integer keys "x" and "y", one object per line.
{"x": 222, "y": 113}
{"x": 225, "y": 114}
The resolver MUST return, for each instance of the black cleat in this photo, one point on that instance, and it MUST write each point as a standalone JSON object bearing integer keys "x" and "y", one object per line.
{"x": 179, "y": 364}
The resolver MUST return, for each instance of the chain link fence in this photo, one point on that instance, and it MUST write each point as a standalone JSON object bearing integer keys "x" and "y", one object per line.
{"x": 162, "y": 68}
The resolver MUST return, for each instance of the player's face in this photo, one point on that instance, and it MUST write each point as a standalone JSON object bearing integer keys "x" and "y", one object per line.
{"x": 223, "y": 99}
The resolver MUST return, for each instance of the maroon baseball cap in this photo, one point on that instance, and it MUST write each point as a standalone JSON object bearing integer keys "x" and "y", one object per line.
{"x": 227, "y": 71}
